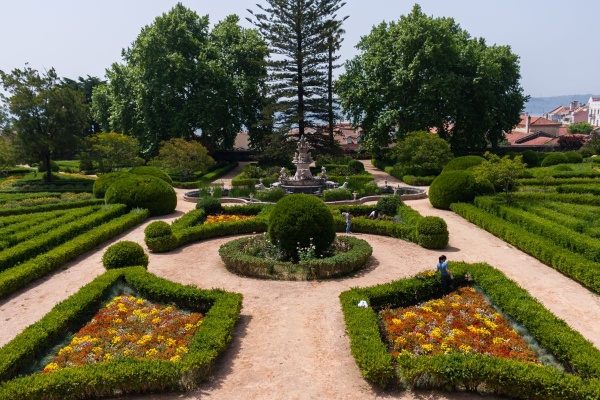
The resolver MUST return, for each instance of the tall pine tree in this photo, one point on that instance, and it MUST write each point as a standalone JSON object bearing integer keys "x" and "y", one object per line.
{"x": 302, "y": 37}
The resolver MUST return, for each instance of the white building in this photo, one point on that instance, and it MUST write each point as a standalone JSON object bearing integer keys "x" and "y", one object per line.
{"x": 594, "y": 111}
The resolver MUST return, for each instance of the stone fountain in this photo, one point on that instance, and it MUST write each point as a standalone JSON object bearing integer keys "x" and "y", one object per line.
{"x": 303, "y": 181}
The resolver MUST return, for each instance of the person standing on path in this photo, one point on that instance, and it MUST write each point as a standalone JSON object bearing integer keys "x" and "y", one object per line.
{"x": 447, "y": 277}
{"x": 348, "y": 221}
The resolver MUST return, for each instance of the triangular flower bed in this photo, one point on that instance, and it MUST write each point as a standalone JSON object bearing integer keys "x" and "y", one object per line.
{"x": 212, "y": 317}
{"x": 466, "y": 370}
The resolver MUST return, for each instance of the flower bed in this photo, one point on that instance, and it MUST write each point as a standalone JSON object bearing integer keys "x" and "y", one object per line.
{"x": 211, "y": 219}
{"x": 130, "y": 326}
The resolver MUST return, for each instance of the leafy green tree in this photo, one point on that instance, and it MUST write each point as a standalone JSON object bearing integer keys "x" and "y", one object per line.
{"x": 86, "y": 86}
{"x": 109, "y": 151}
{"x": 501, "y": 172}
{"x": 8, "y": 154}
{"x": 48, "y": 117}
{"x": 580, "y": 127}
{"x": 303, "y": 36}
{"x": 421, "y": 154}
{"x": 183, "y": 158}
{"x": 424, "y": 73}
{"x": 179, "y": 80}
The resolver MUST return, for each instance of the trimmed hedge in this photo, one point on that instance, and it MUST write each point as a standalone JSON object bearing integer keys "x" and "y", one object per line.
{"x": 104, "y": 181}
{"x": 124, "y": 254}
{"x": 207, "y": 178}
{"x": 124, "y": 375}
{"x": 239, "y": 262}
{"x": 19, "y": 276}
{"x": 210, "y": 205}
{"x": 554, "y": 159}
{"x": 63, "y": 205}
{"x": 452, "y": 187}
{"x": 463, "y": 163}
{"x": 153, "y": 171}
{"x": 417, "y": 180}
{"x": 468, "y": 371}
{"x": 143, "y": 191}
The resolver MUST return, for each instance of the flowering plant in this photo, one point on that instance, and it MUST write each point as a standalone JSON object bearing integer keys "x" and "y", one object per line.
{"x": 211, "y": 219}
{"x": 130, "y": 327}
{"x": 462, "y": 321}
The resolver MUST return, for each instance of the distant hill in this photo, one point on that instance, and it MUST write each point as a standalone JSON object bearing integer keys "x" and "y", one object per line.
{"x": 537, "y": 106}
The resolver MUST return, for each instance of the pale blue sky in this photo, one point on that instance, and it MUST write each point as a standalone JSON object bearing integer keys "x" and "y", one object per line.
{"x": 558, "y": 42}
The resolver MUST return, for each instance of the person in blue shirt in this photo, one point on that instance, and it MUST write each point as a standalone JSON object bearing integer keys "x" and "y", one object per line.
{"x": 348, "y": 220}
{"x": 447, "y": 278}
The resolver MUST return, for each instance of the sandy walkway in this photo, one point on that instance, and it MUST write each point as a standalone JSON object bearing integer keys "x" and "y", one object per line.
{"x": 290, "y": 342}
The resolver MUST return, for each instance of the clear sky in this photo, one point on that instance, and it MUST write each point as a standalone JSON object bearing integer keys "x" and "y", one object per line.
{"x": 557, "y": 41}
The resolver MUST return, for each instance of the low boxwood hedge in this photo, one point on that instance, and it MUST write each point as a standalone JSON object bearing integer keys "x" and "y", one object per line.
{"x": 124, "y": 375}
{"x": 63, "y": 205}
{"x": 472, "y": 372}
{"x": 237, "y": 261}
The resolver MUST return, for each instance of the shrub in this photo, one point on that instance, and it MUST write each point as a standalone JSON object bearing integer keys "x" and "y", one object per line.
{"x": 432, "y": 233}
{"x": 531, "y": 158}
{"x": 154, "y": 171}
{"x": 143, "y": 191}
{"x": 417, "y": 180}
{"x": 299, "y": 220}
{"x": 124, "y": 254}
{"x": 452, "y": 187}
{"x": 271, "y": 195}
{"x": 159, "y": 237}
{"x": 574, "y": 157}
{"x": 388, "y": 205}
{"x": 554, "y": 159}
{"x": 355, "y": 167}
{"x": 420, "y": 154}
{"x": 53, "y": 166}
{"x": 336, "y": 194}
{"x": 210, "y": 205}
{"x": 463, "y": 163}
{"x": 104, "y": 181}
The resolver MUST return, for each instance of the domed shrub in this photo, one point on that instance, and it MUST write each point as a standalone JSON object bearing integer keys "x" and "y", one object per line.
{"x": 463, "y": 163}
{"x": 574, "y": 157}
{"x": 299, "y": 219}
{"x": 143, "y": 191}
{"x": 210, "y": 205}
{"x": 452, "y": 187}
{"x": 336, "y": 194}
{"x": 355, "y": 167}
{"x": 531, "y": 158}
{"x": 104, "y": 181}
{"x": 388, "y": 205}
{"x": 159, "y": 237}
{"x": 271, "y": 195}
{"x": 432, "y": 233}
{"x": 154, "y": 171}
{"x": 554, "y": 159}
{"x": 124, "y": 254}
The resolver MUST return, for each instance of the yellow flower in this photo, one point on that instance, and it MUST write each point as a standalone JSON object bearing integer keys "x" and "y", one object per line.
{"x": 156, "y": 320}
{"x": 108, "y": 357}
{"x": 116, "y": 339}
{"x": 427, "y": 348}
{"x": 65, "y": 350}
{"x": 151, "y": 352}
{"x": 145, "y": 339}
{"x": 455, "y": 305}
{"x": 97, "y": 350}
{"x": 128, "y": 353}
{"x": 171, "y": 342}
{"x": 182, "y": 349}
{"x": 160, "y": 338}
{"x": 464, "y": 348}
{"x": 396, "y": 321}
{"x": 419, "y": 335}
{"x": 117, "y": 321}
{"x": 400, "y": 341}
{"x": 490, "y": 324}
{"x": 140, "y": 302}
{"x": 409, "y": 314}
{"x": 189, "y": 326}
{"x": 51, "y": 367}
{"x": 427, "y": 309}
{"x": 175, "y": 358}
{"x": 131, "y": 298}
{"x": 153, "y": 311}
{"x": 457, "y": 332}
{"x": 436, "y": 332}
{"x": 497, "y": 340}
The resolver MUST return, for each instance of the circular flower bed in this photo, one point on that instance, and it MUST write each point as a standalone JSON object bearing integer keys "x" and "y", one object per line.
{"x": 257, "y": 257}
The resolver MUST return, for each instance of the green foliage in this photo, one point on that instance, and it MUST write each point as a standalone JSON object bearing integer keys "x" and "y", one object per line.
{"x": 427, "y": 71}
{"x": 210, "y": 205}
{"x": 54, "y": 167}
{"x": 570, "y": 142}
{"x": 298, "y": 219}
{"x": 432, "y": 233}
{"x": 355, "y": 167}
{"x": 417, "y": 180}
{"x": 143, "y": 191}
{"x": 452, "y": 187}
{"x": 336, "y": 194}
{"x": 531, "y": 158}
{"x": 502, "y": 172}
{"x": 270, "y": 195}
{"x": 574, "y": 157}
{"x": 8, "y": 151}
{"x": 127, "y": 376}
{"x": 104, "y": 181}
{"x": 420, "y": 154}
{"x": 159, "y": 237}
{"x": 463, "y": 163}
{"x": 582, "y": 127}
{"x": 183, "y": 158}
{"x": 107, "y": 151}
{"x": 124, "y": 254}
{"x": 388, "y": 205}
{"x": 154, "y": 171}
{"x": 554, "y": 159}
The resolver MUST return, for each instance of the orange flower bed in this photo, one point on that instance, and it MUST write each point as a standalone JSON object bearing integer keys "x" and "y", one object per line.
{"x": 130, "y": 327}
{"x": 211, "y": 219}
{"x": 462, "y": 321}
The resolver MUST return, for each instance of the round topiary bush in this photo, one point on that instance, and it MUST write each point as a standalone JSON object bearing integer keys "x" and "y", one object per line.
{"x": 432, "y": 233}
{"x": 154, "y": 171}
{"x": 355, "y": 167}
{"x": 573, "y": 157}
{"x": 210, "y": 205}
{"x": 452, "y": 187}
{"x": 388, "y": 205}
{"x": 159, "y": 237}
{"x": 299, "y": 219}
{"x": 554, "y": 159}
{"x": 531, "y": 158}
{"x": 104, "y": 181}
{"x": 463, "y": 163}
{"x": 124, "y": 254}
{"x": 143, "y": 191}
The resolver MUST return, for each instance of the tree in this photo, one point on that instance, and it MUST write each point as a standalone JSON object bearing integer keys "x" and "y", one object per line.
{"x": 424, "y": 73}
{"x": 421, "y": 154}
{"x": 179, "y": 80}
{"x": 501, "y": 172}
{"x": 8, "y": 154}
{"x": 302, "y": 34}
{"x": 109, "y": 150}
{"x": 86, "y": 86}
{"x": 47, "y": 117}
{"x": 580, "y": 127}
{"x": 570, "y": 142}
{"x": 183, "y": 158}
